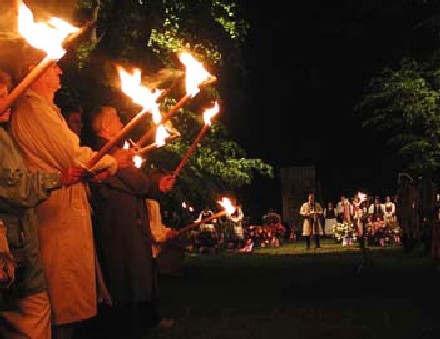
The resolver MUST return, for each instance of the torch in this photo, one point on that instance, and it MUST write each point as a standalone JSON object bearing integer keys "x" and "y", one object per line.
{"x": 208, "y": 114}
{"x": 164, "y": 134}
{"x": 195, "y": 76}
{"x": 228, "y": 210}
{"x": 131, "y": 85}
{"x": 50, "y": 37}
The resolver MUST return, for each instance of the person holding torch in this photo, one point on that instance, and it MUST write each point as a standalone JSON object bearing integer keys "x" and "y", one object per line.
{"x": 66, "y": 238}
{"x": 124, "y": 238}
{"x": 25, "y": 310}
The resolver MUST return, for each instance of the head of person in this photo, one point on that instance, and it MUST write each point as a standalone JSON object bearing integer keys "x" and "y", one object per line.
{"x": 49, "y": 82}
{"x": 311, "y": 197}
{"x": 73, "y": 118}
{"x": 106, "y": 123}
{"x": 5, "y": 88}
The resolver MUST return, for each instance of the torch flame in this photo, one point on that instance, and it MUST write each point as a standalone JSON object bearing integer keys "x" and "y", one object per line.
{"x": 45, "y": 36}
{"x": 227, "y": 205}
{"x": 161, "y": 135}
{"x": 195, "y": 74}
{"x": 210, "y": 113}
{"x": 138, "y": 161}
{"x": 141, "y": 95}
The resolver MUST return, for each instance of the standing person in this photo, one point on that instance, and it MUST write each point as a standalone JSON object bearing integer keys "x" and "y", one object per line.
{"x": 24, "y": 303}
{"x": 65, "y": 231}
{"x": 406, "y": 210}
{"x": 124, "y": 238}
{"x": 389, "y": 210}
{"x": 311, "y": 211}
{"x": 329, "y": 218}
{"x": 237, "y": 218}
{"x": 73, "y": 118}
{"x": 168, "y": 251}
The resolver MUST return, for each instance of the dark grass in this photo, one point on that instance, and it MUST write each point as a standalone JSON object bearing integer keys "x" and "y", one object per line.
{"x": 290, "y": 293}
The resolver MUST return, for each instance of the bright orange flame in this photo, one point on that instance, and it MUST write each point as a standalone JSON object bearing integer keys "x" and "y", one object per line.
{"x": 195, "y": 74}
{"x": 45, "y": 36}
{"x": 138, "y": 161}
{"x": 209, "y": 113}
{"x": 161, "y": 135}
{"x": 141, "y": 95}
{"x": 227, "y": 205}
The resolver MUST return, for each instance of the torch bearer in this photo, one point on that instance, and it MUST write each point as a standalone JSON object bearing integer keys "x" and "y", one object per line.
{"x": 195, "y": 76}
{"x": 208, "y": 114}
{"x": 50, "y": 37}
{"x": 131, "y": 85}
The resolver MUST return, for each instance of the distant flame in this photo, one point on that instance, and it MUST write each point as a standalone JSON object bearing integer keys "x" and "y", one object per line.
{"x": 195, "y": 74}
{"x": 45, "y": 36}
{"x": 126, "y": 145}
{"x": 210, "y": 113}
{"x": 227, "y": 205}
{"x": 141, "y": 95}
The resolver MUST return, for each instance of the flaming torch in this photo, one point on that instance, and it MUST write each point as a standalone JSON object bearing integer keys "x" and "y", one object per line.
{"x": 131, "y": 85}
{"x": 228, "y": 210}
{"x": 49, "y": 37}
{"x": 161, "y": 136}
{"x": 207, "y": 115}
{"x": 195, "y": 76}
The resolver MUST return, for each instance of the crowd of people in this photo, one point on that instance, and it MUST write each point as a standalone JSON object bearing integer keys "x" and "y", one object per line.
{"x": 73, "y": 236}
{"x": 404, "y": 218}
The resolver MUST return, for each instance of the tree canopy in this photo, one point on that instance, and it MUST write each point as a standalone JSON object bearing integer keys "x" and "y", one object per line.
{"x": 402, "y": 102}
{"x": 150, "y": 35}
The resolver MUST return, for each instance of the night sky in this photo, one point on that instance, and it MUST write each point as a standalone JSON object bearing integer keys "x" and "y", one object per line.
{"x": 308, "y": 66}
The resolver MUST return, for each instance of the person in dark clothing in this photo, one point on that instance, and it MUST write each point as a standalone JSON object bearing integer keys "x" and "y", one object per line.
{"x": 406, "y": 205}
{"x": 124, "y": 240}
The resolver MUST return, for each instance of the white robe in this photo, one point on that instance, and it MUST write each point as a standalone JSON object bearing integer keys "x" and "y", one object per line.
{"x": 65, "y": 230}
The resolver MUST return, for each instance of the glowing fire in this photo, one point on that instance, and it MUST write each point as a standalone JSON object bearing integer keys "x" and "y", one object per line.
{"x": 161, "y": 135}
{"x": 138, "y": 161}
{"x": 141, "y": 95}
{"x": 227, "y": 205}
{"x": 45, "y": 36}
{"x": 209, "y": 113}
{"x": 195, "y": 74}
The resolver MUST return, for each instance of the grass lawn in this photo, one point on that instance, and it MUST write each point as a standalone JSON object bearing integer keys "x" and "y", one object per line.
{"x": 288, "y": 292}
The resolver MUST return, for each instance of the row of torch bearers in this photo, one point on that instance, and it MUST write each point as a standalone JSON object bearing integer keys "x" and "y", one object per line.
{"x": 52, "y": 37}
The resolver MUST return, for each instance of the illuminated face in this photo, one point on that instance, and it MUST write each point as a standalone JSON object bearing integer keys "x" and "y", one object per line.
{"x": 113, "y": 124}
{"x": 51, "y": 78}
{"x": 5, "y": 115}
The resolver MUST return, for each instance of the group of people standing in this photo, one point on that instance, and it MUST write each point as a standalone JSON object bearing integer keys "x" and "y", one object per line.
{"x": 360, "y": 214}
{"x": 58, "y": 256}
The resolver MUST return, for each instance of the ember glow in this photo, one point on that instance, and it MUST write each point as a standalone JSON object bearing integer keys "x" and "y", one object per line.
{"x": 195, "y": 74}
{"x": 141, "y": 95}
{"x": 44, "y": 36}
